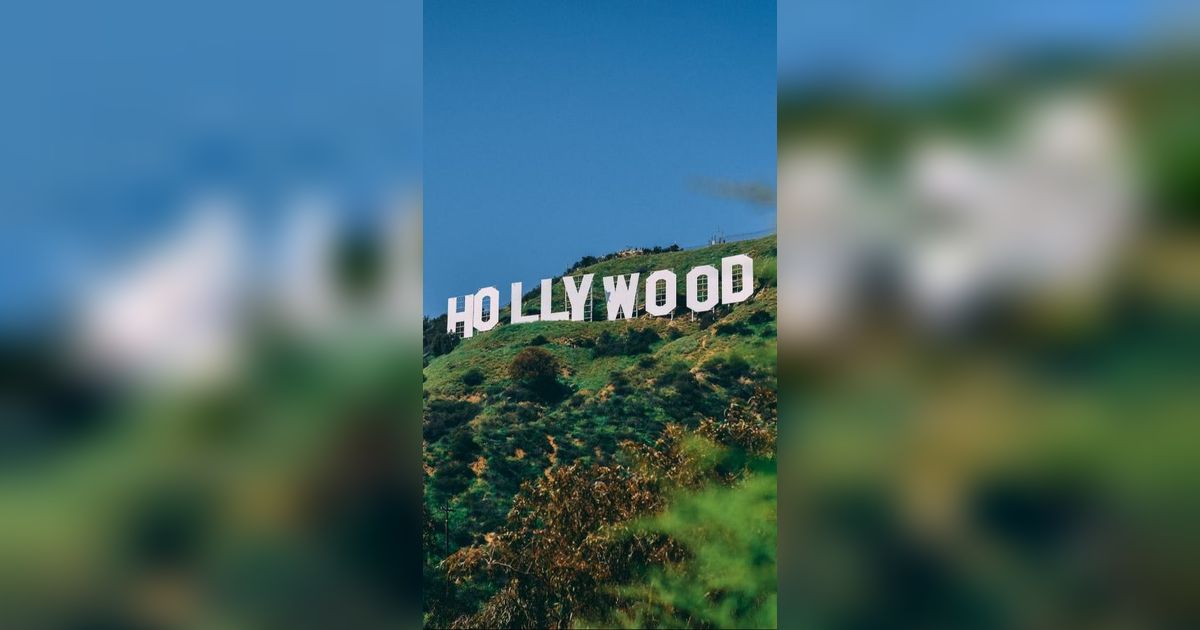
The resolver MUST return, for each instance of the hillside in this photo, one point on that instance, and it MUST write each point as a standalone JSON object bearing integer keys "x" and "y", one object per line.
{"x": 606, "y": 387}
{"x": 491, "y": 352}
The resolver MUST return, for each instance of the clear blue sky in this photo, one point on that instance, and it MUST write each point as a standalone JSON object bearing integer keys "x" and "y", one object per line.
{"x": 539, "y": 112}
{"x": 891, "y": 44}
{"x": 557, "y": 129}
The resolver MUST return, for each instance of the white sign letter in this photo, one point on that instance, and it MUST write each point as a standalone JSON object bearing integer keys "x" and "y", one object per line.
{"x": 493, "y": 298}
{"x": 711, "y": 289}
{"x": 455, "y": 316}
{"x": 577, "y": 295}
{"x": 517, "y": 316}
{"x": 548, "y": 314}
{"x": 621, "y": 296}
{"x": 737, "y": 278}
{"x": 652, "y": 281}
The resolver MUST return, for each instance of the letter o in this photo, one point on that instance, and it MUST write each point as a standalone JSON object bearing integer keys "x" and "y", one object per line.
{"x": 693, "y": 288}
{"x": 668, "y": 305}
{"x": 493, "y": 296}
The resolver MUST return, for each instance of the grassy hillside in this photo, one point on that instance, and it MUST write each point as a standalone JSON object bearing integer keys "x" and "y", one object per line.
{"x": 492, "y": 351}
{"x": 607, "y": 387}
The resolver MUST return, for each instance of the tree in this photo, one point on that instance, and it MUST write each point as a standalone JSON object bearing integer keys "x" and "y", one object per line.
{"x": 436, "y": 340}
{"x": 536, "y": 371}
{"x": 455, "y": 475}
{"x": 726, "y": 578}
{"x": 667, "y": 534}
{"x": 562, "y": 547}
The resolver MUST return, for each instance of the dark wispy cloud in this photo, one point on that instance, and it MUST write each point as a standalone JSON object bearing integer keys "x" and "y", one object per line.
{"x": 759, "y": 195}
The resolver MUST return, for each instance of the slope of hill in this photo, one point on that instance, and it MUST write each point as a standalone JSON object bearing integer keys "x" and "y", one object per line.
{"x": 491, "y": 352}
{"x": 492, "y": 428}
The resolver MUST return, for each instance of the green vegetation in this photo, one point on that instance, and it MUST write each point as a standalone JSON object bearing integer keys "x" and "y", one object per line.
{"x": 574, "y": 467}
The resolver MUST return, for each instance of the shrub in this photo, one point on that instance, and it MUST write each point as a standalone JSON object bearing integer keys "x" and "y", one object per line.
{"x": 443, "y": 416}
{"x": 607, "y": 345}
{"x": 536, "y": 371}
{"x": 455, "y": 475}
{"x": 635, "y": 341}
{"x": 767, "y": 274}
{"x": 682, "y": 394}
{"x": 473, "y": 377}
{"x": 760, "y": 317}
{"x": 533, "y": 365}
{"x": 539, "y": 340}
{"x": 726, "y": 371}
{"x": 436, "y": 340}
{"x": 733, "y": 328}
{"x": 725, "y": 531}
{"x": 620, "y": 383}
{"x": 639, "y": 341}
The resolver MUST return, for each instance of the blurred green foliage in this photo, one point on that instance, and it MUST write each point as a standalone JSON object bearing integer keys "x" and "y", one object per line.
{"x": 1036, "y": 467}
{"x": 283, "y": 498}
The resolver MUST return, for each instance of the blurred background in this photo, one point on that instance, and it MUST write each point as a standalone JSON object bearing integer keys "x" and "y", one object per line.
{"x": 989, "y": 304}
{"x": 210, "y": 303}
{"x": 210, "y": 314}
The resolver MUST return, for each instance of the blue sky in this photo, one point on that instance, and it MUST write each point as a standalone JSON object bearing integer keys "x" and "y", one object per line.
{"x": 570, "y": 127}
{"x": 558, "y": 129}
{"x": 892, "y": 44}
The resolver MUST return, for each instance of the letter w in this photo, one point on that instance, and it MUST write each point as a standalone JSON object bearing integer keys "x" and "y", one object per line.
{"x": 621, "y": 296}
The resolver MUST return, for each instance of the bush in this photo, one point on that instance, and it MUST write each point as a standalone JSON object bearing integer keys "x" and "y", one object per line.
{"x": 726, "y": 371}
{"x": 539, "y": 340}
{"x": 455, "y": 475}
{"x": 733, "y": 328}
{"x": 767, "y": 274}
{"x": 436, "y": 340}
{"x": 473, "y": 377}
{"x": 640, "y": 341}
{"x": 620, "y": 383}
{"x": 682, "y": 394}
{"x": 726, "y": 531}
{"x": 536, "y": 371}
{"x": 760, "y": 317}
{"x": 635, "y": 341}
{"x": 443, "y": 416}
{"x": 533, "y": 365}
{"x": 607, "y": 345}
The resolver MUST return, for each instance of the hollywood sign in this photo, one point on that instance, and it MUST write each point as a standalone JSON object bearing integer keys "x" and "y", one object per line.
{"x": 734, "y": 283}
